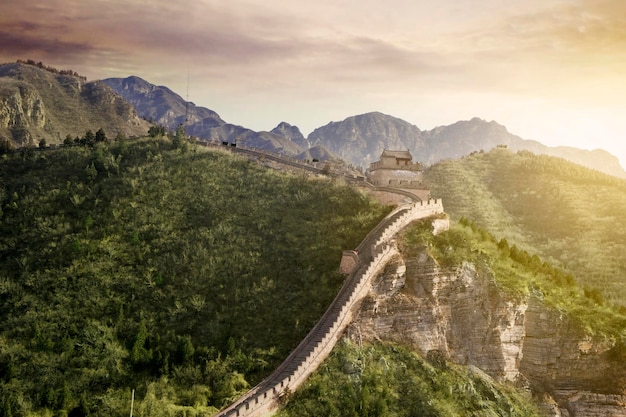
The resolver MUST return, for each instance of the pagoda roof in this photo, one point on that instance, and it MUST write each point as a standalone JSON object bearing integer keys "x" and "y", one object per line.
{"x": 397, "y": 154}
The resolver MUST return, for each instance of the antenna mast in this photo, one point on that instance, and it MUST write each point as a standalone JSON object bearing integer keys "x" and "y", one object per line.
{"x": 187, "y": 100}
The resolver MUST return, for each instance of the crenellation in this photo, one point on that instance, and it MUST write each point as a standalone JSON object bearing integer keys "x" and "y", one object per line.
{"x": 311, "y": 352}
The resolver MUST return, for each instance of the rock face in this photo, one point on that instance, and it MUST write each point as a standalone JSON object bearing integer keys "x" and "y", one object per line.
{"x": 21, "y": 106}
{"x": 36, "y": 104}
{"x": 462, "y": 315}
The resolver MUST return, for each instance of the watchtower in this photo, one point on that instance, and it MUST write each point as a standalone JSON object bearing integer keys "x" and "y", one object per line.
{"x": 396, "y": 169}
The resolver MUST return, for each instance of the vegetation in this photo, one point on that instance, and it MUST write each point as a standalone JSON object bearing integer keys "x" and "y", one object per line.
{"x": 186, "y": 276}
{"x": 51, "y": 69}
{"x": 569, "y": 215}
{"x": 518, "y": 274}
{"x": 189, "y": 274}
{"x": 384, "y": 379}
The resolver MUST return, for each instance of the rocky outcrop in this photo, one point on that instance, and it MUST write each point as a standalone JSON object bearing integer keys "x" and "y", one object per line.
{"x": 462, "y": 315}
{"x": 36, "y": 103}
{"x": 22, "y": 107}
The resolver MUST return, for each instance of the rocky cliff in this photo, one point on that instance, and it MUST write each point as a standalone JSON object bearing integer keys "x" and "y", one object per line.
{"x": 462, "y": 315}
{"x": 37, "y": 103}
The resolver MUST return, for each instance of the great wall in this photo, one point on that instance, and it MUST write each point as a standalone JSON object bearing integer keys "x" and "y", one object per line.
{"x": 361, "y": 266}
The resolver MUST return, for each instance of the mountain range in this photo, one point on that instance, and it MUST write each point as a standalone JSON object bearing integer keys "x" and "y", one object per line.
{"x": 358, "y": 140}
{"x": 37, "y": 102}
{"x": 162, "y": 106}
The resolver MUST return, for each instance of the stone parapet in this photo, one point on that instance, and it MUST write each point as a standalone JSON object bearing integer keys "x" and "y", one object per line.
{"x": 375, "y": 251}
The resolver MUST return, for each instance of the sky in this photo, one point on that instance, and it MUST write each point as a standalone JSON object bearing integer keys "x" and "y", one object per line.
{"x": 548, "y": 70}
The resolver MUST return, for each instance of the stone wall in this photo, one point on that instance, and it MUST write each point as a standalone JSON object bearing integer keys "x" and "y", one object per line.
{"x": 396, "y": 178}
{"x": 374, "y": 253}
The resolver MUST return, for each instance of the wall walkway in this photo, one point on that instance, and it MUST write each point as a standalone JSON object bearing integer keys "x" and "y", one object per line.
{"x": 374, "y": 252}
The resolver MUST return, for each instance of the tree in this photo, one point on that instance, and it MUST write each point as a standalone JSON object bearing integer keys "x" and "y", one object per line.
{"x": 42, "y": 143}
{"x": 68, "y": 141}
{"x": 155, "y": 131}
{"x": 91, "y": 172}
{"x": 89, "y": 139}
{"x": 100, "y": 136}
{"x": 139, "y": 355}
{"x": 179, "y": 139}
{"x": 5, "y": 146}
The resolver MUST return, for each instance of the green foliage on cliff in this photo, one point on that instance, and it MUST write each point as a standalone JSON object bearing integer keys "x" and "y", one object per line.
{"x": 185, "y": 276}
{"x": 518, "y": 274}
{"x": 571, "y": 216}
{"x": 384, "y": 379}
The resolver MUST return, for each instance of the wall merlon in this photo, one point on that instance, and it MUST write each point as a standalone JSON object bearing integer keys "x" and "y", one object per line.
{"x": 320, "y": 341}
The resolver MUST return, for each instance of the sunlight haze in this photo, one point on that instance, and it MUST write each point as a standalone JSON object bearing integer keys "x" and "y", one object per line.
{"x": 552, "y": 71}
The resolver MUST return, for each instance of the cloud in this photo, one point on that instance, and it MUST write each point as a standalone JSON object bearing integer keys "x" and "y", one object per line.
{"x": 16, "y": 41}
{"x": 317, "y": 48}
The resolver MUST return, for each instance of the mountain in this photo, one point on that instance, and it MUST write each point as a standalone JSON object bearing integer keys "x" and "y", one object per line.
{"x": 192, "y": 274}
{"x": 166, "y": 108}
{"x": 465, "y": 137}
{"x": 361, "y": 139}
{"x": 161, "y": 105}
{"x": 320, "y": 153}
{"x": 188, "y": 277}
{"x": 38, "y": 102}
{"x": 292, "y": 133}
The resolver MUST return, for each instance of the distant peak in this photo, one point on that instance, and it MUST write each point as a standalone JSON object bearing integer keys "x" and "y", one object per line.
{"x": 135, "y": 79}
{"x": 284, "y": 125}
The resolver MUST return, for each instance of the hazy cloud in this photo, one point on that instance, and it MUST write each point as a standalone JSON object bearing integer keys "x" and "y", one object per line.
{"x": 18, "y": 43}
{"x": 314, "y": 58}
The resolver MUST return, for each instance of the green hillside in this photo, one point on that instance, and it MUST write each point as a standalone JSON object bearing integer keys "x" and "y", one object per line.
{"x": 187, "y": 276}
{"x": 385, "y": 379}
{"x": 568, "y": 215}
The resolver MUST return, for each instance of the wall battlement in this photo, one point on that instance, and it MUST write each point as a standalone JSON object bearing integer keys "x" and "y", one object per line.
{"x": 373, "y": 254}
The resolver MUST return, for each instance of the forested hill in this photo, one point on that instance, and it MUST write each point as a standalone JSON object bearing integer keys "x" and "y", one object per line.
{"x": 186, "y": 275}
{"x": 569, "y": 215}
